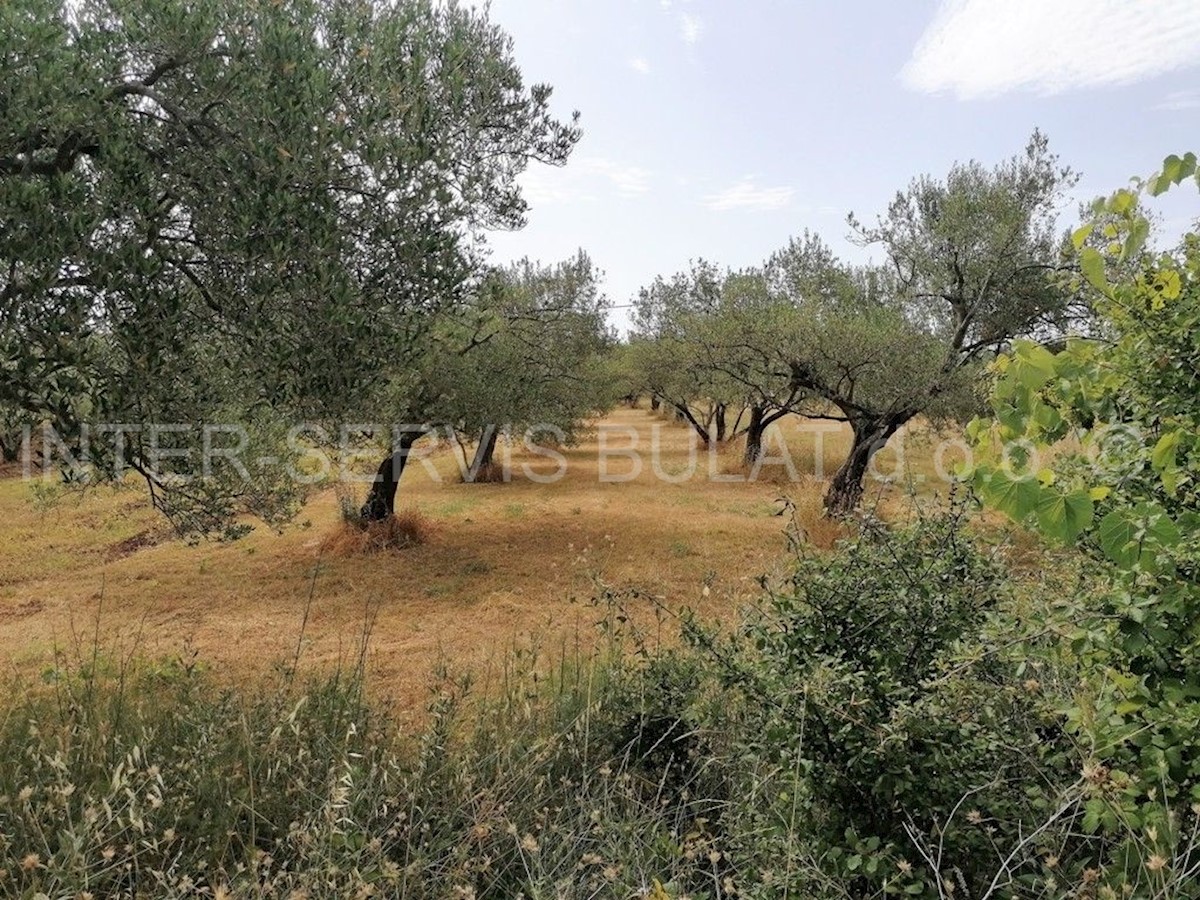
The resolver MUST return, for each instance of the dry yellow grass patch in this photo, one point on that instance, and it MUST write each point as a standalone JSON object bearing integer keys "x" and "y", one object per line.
{"x": 407, "y": 528}
{"x": 500, "y": 562}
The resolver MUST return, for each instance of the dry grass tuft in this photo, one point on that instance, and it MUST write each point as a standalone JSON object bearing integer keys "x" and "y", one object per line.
{"x": 816, "y": 528}
{"x": 407, "y": 528}
{"x": 493, "y": 473}
{"x": 772, "y": 472}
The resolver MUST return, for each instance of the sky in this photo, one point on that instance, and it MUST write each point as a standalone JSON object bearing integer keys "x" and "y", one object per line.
{"x": 717, "y": 129}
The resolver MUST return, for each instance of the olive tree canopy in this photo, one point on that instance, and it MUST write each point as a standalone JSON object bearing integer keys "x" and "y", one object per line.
{"x": 260, "y": 213}
{"x": 968, "y": 268}
{"x": 541, "y": 359}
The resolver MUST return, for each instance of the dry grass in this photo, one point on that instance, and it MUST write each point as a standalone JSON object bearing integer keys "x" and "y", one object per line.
{"x": 499, "y": 564}
{"x": 489, "y": 474}
{"x": 407, "y": 528}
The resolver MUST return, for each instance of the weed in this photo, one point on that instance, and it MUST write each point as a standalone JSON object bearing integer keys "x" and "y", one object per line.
{"x": 475, "y": 567}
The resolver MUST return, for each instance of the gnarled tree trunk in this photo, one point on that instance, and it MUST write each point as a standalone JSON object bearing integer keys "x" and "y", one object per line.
{"x": 682, "y": 413}
{"x": 870, "y": 436}
{"x": 381, "y": 501}
{"x": 719, "y": 423}
{"x": 754, "y": 435}
{"x": 655, "y": 402}
{"x": 483, "y": 453}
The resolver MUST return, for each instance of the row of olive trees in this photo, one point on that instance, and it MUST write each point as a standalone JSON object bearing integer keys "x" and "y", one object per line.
{"x": 539, "y": 361}
{"x": 532, "y": 353}
{"x": 965, "y": 265}
{"x": 272, "y": 214}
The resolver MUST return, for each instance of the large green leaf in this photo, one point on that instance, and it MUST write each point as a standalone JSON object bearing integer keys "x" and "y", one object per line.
{"x": 1174, "y": 170}
{"x": 1033, "y": 365}
{"x": 1163, "y": 454}
{"x": 1117, "y": 535}
{"x": 1139, "y": 231}
{"x": 1091, "y": 264}
{"x": 1137, "y": 536}
{"x": 1063, "y": 517}
{"x": 1016, "y": 497}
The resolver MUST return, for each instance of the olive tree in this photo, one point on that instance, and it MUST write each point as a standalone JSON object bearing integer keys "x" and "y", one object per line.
{"x": 258, "y": 214}
{"x": 668, "y": 360}
{"x": 740, "y": 343}
{"x": 968, "y": 266}
{"x": 712, "y": 346}
{"x": 680, "y": 346}
{"x": 539, "y": 360}
{"x": 12, "y": 432}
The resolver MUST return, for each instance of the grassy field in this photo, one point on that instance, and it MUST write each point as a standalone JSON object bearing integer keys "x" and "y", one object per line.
{"x": 639, "y": 770}
{"x": 503, "y": 565}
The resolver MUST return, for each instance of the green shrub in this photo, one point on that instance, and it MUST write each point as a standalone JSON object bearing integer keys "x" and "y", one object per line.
{"x": 858, "y": 723}
{"x": 1124, "y": 488}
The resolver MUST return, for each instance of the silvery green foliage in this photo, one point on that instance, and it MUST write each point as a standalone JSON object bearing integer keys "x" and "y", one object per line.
{"x": 264, "y": 212}
{"x": 967, "y": 265}
{"x": 537, "y": 354}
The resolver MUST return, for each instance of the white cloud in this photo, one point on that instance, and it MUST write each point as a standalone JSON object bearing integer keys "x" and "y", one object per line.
{"x": 542, "y": 185}
{"x": 690, "y": 28}
{"x": 746, "y": 195}
{"x": 639, "y": 65}
{"x": 583, "y": 180}
{"x": 1177, "y": 100}
{"x": 981, "y": 48}
{"x": 628, "y": 180}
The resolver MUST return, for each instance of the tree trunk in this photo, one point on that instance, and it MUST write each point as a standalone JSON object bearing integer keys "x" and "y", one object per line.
{"x": 483, "y": 453}
{"x": 846, "y": 489}
{"x": 655, "y": 402}
{"x": 381, "y": 501}
{"x": 870, "y": 436}
{"x": 720, "y": 423}
{"x": 754, "y": 436}
{"x": 683, "y": 414}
